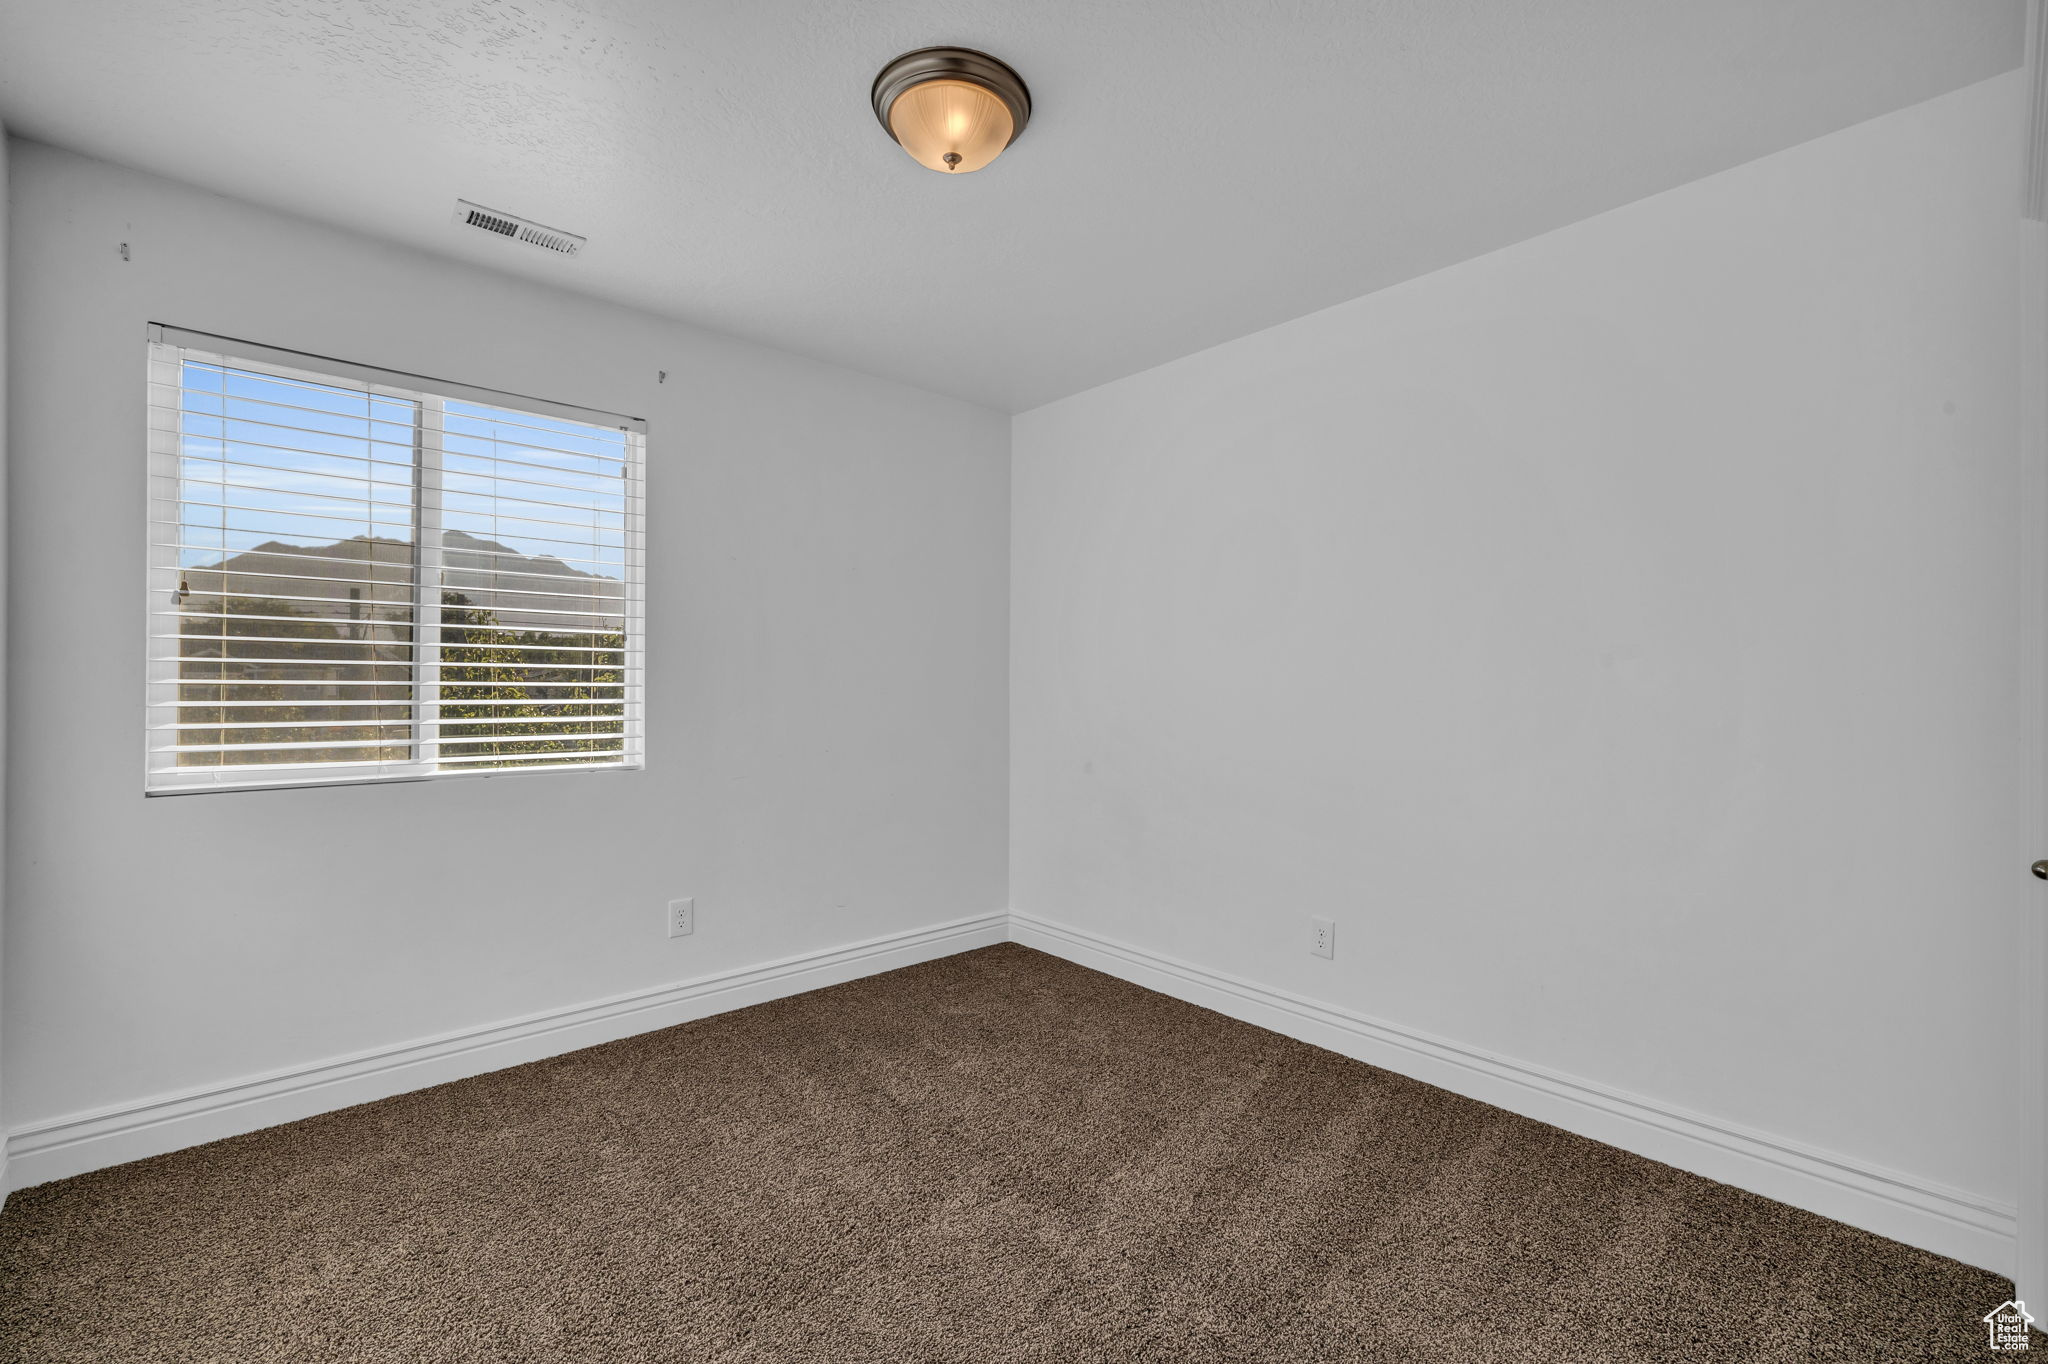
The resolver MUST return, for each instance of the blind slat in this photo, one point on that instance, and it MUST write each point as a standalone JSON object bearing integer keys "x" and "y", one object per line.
{"x": 502, "y": 729}
{"x": 369, "y": 500}
{"x": 187, "y": 613}
{"x": 393, "y": 584}
{"x": 535, "y": 758}
{"x": 257, "y": 777}
{"x": 214, "y": 684}
{"x": 388, "y": 542}
{"x": 400, "y": 566}
{"x": 326, "y": 703}
{"x": 277, "y": 486}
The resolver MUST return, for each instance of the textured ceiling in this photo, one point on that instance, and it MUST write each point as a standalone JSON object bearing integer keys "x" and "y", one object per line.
{"x": 1194, "y": 169}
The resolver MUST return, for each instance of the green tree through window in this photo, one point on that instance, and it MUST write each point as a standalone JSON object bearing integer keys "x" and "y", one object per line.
{"x": 499, "y": 685}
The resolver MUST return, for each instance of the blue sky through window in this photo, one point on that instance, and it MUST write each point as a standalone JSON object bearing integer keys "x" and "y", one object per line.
{"x": 265, "y": 459}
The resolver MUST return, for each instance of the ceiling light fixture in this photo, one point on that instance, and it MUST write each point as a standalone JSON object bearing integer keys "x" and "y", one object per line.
{"x": 952, "y": 108}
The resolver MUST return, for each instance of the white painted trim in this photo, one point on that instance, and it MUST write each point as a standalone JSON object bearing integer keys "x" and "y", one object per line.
{"x": 2035, "y": 205}
{"x": 1975, "y": 1230}
{"x": 2030, "y": 1051}
{"x": 2030, "y": 1256}
{"x": 40, "y": 1152}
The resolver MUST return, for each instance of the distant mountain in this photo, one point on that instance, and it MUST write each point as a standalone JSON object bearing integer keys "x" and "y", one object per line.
{"x": 523, "y": 590}
{"x": 460, "y": 549}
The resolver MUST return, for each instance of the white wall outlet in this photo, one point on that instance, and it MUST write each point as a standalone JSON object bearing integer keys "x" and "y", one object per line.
{"x": 682, "y": 917}
{"x": 1325, "y": 941}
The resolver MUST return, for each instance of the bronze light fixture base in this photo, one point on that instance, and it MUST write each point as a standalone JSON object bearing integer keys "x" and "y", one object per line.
{"x": 952, "y": 120}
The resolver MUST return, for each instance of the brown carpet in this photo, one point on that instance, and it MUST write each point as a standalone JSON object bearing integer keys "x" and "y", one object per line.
{"x": 996, "y": 1157}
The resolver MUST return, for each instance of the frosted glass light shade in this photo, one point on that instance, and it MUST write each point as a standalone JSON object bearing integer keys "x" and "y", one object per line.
{"x": 950, "y": 125}
{"x": 952, "y": 108}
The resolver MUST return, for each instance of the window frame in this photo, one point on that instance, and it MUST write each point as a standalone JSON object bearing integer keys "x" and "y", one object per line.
{"x": 164, "y": 463}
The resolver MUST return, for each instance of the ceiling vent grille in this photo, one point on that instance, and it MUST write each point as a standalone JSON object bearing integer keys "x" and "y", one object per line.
{"x": 518, "y": 229}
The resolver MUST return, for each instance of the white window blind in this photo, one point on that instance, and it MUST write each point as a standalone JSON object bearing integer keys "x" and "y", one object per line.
{"x": 364, "y": 576}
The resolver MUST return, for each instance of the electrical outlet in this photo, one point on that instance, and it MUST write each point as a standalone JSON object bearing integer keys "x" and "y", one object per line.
{"x": 1325, "y": 943}
{"x": 682, "y": 917}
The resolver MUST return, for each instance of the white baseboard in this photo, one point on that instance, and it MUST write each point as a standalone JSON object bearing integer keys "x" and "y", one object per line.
{"x": 71, "y": 1145}
{"x": 1975, "y": 1230}
{"x": 1978, "y": 1231}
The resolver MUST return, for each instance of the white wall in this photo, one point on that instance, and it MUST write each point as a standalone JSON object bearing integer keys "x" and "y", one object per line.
{"x": 1616, "y": 634}
{"x": 6, "y": 725}
{"x": 826, "y": 674}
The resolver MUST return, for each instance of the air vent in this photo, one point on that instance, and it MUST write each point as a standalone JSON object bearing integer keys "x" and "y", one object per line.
{"x": 518, "y": 229}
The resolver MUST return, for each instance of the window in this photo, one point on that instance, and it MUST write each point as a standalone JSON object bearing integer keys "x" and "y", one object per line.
{"x": 363, "y": 576}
